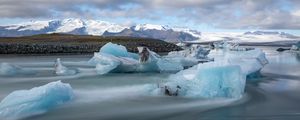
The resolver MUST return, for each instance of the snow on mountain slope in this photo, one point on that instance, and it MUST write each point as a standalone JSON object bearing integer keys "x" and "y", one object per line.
{"x": 97, "y": 27}
{"x": 68, "y": 25}
{"x": 140, "y": 27}
{"x": 256, "y": 36}
{"x": 194, "y": 33}
{"x": 35, "y": 25}
{"x": 94, "y": 27}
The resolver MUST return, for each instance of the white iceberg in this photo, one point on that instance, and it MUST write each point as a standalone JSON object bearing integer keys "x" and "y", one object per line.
{"x": 190, "y": 56}
{"x": 62, "y": 70}
{"x": 7, "y": 69}
{"x": 250, "y": 61}
{"x": 24, "y": 103}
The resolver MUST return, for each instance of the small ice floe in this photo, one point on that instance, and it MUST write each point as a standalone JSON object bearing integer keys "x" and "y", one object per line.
{"x": 25, "y": 103}
{"x": 62, "y": 70}
{"x": 7, "y": 69}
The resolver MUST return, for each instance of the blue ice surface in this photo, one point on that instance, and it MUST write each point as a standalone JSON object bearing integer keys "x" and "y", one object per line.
{"x": 25, "y": 103}
{"x": 117, "y": 50}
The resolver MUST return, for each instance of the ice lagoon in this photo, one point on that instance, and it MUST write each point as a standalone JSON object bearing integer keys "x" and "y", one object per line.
{"x": 122, "y": 95}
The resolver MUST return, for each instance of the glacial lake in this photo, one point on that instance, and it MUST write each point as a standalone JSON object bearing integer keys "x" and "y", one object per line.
{"x": 118, "y": 96}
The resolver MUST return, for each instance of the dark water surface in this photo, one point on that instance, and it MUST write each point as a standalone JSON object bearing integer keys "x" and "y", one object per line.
{"x": 120, "y": 96}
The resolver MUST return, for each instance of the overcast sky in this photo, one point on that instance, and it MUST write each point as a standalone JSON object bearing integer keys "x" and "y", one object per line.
{"x": 204, "y": 15}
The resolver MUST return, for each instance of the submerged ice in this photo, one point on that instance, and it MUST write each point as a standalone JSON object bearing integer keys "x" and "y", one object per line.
{"x": 24, "y": 103}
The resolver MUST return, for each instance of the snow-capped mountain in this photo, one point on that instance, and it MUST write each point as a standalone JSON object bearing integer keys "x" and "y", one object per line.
{"x": 247, "y": 37}
{"x": 97, "y": 27}
{"x": 141, "y": 27}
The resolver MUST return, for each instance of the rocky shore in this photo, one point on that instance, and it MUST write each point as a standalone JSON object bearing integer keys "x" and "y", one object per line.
{"x": 62, "y": 43}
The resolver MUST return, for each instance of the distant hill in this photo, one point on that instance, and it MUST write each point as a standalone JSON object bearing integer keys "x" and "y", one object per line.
{"x": 99, "y": 28}
{"x": 66, "y": 43}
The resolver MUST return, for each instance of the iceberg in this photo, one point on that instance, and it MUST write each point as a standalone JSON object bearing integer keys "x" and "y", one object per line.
{"x": 24, "y": 103}
{"x": 116, "y": 58}
{"x": 208, "y": 80}
{"x": 250, "y": 61}
{"x": 190, "y": 56}
{"x": 7, "y": 69}
{"x": 114, "y": 49}
{"x": 224, "y": 77}
{"x": 195, "y": 51}
{"x": 62, "y": 70}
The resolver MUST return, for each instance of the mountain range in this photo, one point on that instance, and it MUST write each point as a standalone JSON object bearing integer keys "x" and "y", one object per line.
{"x": 163, "y": 32}
{"x": 99, "y": 28}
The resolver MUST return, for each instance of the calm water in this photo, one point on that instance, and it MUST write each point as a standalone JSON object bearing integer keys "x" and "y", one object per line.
{"x": 120, "y": 96}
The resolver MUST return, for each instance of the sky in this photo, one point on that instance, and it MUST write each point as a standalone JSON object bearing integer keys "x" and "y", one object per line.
{"x": 202, "y": 15}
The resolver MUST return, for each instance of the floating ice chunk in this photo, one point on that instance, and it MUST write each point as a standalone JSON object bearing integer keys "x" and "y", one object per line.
{"x": 7, "y": 69}
{"x": 189, "y": 57}
{"x": 62, "y": 70}
{"x": 250, "y": 61}
{"x": 208, "y": 80}
{"x": 24, "y": 103}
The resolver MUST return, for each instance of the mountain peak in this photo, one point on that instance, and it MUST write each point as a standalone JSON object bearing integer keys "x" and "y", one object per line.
{"x": 151, "y": 27}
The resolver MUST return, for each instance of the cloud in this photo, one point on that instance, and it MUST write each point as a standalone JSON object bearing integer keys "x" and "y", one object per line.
{"x": 229, "y": 14}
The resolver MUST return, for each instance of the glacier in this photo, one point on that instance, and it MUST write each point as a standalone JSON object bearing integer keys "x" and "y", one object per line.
{"x": 25, "y": 103}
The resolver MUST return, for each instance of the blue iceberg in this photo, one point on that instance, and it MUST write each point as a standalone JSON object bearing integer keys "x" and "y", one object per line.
{"x": 116, "y": 58}
{"x": 208, "y": 80}
{"x": 114, "y": 49}
{"x": 24, "y": 103}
